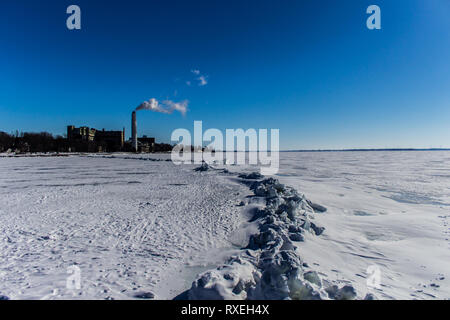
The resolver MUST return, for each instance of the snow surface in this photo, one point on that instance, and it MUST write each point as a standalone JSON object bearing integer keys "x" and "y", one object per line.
{"x": 135, "y": 226}
{"x": 386, "y": 210}
{"x": 390, "y": 209}
{"x": 131, "y": 226}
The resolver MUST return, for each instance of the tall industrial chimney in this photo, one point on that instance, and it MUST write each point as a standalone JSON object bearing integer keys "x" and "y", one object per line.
{"x": 134, "y": 140}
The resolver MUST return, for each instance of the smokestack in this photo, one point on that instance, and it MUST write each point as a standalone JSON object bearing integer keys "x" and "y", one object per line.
{"x": 134, "y": 131}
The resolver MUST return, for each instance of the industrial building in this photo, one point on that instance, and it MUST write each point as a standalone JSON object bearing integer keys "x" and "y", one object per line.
{"x": 86, "y": 139}
{"x": 146, "y": 144}
{"x": 95, "y": 140}
{"x": 80, "y": 134}
{"x": 113, "y": 139}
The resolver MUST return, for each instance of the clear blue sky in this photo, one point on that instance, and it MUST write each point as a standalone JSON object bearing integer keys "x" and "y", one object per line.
{"x": 310, "y": 68}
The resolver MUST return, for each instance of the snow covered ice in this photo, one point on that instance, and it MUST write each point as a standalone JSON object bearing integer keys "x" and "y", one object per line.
{"x": 131, "y": 226}
{"x": 385, "y": 211}
{"x": 140, "y": 229}
{"x": 388, "y": 209}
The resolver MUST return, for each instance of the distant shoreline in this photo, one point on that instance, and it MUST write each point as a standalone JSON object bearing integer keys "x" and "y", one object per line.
{"x": 353, "y": 150}
{"x": 65, "y": 154}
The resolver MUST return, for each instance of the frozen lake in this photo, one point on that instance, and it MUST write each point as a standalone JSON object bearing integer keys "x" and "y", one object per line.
{"x": 135, "y": 226}
{"x": 130, "y": 226}
{"x": 389, "y": 209}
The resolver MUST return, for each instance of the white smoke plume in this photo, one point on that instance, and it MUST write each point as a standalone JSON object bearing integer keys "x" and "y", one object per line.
{"x": 166, "y": 106}
{"x": 202, "y": 79}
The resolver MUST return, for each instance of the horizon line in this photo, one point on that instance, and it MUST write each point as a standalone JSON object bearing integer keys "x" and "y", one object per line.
{"x": 367, "y": 149}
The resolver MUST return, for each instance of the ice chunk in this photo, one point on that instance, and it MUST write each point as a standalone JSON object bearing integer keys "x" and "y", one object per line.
{"x": 313, "y": 277}
{"x": 203, "y": 167}
{"x": 251, "y": 176}
{"x": 144, "y": 295}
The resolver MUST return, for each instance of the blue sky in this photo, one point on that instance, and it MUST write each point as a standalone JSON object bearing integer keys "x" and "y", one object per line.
{"x": 310, "y": 68}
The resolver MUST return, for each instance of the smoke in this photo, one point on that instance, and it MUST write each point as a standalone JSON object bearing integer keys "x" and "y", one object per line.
{"x": 202, "y": 79}
{"x": 166, "y": 106}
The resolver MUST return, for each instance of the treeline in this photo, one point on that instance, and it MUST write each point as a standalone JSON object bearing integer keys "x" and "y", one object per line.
{"x": 163, "y": 147}
{"x": 32, "y": 142}
{"x": 45, "y": 142}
